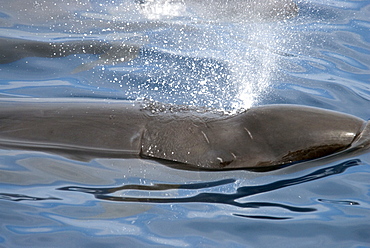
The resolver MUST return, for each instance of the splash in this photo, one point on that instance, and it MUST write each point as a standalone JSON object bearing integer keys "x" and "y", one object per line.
{"x": 159, "y": 9}
{"x": 255, "y": 62}
{"x": 190, "y": 58}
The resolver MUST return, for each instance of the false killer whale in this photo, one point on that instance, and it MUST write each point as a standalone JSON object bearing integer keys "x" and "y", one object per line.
{"x": 265, "y": 136}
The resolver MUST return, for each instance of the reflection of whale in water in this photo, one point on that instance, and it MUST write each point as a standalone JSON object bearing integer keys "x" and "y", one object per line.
{"x": 80, "y": 18}
{"x": 110, "y": 53}
{"x": 260, "y": 137}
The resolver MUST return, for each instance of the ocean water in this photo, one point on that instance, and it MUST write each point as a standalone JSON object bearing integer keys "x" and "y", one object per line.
{"x": 183, "y": 53}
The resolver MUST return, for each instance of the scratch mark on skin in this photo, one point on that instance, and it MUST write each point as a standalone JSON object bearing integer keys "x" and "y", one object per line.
{"x": 233, "y": 155}
{"x": 205, "y": 136}
{"x": 249, "y": 133}
{"x": 294, "y": 133}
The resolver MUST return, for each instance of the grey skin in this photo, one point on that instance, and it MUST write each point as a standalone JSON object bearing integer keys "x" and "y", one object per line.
{"x": 263, "y": 136}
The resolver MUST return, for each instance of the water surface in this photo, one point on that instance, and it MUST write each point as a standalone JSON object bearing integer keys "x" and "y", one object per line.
{"x": 319, "y": 58}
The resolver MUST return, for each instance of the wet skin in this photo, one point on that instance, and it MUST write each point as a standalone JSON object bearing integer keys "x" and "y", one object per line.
{"x": 260, "y": 137}
{"x": 264, "y": 136}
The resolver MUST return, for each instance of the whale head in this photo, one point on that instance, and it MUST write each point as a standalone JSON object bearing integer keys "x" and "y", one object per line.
{"x": 264, "y": 136}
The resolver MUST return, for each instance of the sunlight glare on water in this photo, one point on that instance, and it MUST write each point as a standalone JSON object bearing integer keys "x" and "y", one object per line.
{"x": 188, "y": 52}
{"x": 220, "y": 65}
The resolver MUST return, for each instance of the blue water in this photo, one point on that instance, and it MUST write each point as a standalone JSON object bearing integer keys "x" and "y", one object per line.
{"x": 320, "y": 58}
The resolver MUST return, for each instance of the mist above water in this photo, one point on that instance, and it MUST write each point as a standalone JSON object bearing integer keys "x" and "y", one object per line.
{"x": 219, "y": 54}
{"x": 226, "y": 53}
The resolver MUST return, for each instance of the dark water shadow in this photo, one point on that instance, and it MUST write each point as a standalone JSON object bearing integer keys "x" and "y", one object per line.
{"x": 155, "y": 187}
{"x": 262, "y": 217}
{"x": 20, "y": 197}
{"x": 220, "y": 198}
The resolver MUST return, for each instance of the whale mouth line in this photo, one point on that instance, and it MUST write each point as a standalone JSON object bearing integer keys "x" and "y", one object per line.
{"x": 361, "y": 131}
{"x": 313, "y": 152}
